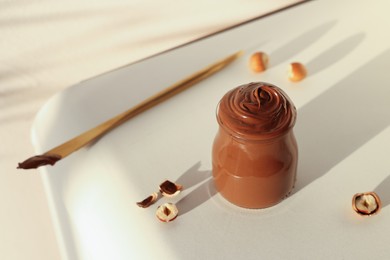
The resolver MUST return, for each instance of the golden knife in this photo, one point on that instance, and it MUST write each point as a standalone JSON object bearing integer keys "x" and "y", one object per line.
{"x": 57, "y": 153}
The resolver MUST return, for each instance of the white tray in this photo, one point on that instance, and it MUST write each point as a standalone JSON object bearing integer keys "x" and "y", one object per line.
{"x": 343, "y": 132}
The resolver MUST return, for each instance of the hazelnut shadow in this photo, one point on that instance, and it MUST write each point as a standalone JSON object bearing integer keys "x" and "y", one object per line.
{"x": 200, "y": 194}
{"x": 383, "y": 191}
{"x": 342, "y": 119}
{"x": 291, "y": 48}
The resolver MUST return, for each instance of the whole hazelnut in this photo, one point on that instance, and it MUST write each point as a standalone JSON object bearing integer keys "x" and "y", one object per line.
{"x": 297, "y": 71}
{"x": 258, "y": 62}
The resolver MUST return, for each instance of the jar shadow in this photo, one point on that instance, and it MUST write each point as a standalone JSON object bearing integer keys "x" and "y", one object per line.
{"x": 342, "y": 119}
{"x": 193, "y": 176}
{"x": 200, "y": 194}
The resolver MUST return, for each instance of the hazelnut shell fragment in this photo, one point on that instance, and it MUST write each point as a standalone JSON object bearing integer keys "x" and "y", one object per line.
{"x": 258, "y": 62}
{"x": 170, "y": 189}
{"x": 297, "y": 71}
{"x": 167, "y": 212}
{"x": 150, "y": 200}
{"x": 366, "y": 204}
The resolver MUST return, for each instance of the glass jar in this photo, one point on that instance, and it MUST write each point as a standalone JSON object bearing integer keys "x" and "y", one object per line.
{"x": 255, "y": 153}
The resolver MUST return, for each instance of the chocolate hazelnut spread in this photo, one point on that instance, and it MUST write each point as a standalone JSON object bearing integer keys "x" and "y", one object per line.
{"x": 255, "y": 152}
{"x": 39, "y": 160}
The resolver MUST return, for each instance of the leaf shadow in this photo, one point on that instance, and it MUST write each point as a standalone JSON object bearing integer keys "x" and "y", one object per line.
{"x": 334, "y": 54}
{"x": 339, "y": 121}
{"x": 299, "y": 43}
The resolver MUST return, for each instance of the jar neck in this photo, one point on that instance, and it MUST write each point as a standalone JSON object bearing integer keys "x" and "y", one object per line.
{"x": 261, "y": 138}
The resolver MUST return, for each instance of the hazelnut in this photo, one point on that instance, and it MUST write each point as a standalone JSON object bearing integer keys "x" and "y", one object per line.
{"x": 148, "y": 201}
{"x": 297, "y": 71}
{"x": 366, "y": 204}
{"x": 258, "y": 62}
{"x": 167, "y": 212}
{"x": 170, "y": 189}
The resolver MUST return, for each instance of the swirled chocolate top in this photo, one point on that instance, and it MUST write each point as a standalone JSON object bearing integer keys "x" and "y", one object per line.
{"x": 256, "y": 111}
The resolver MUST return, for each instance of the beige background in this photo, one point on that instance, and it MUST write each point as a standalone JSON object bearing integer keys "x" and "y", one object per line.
{"x": 46, "y": 46}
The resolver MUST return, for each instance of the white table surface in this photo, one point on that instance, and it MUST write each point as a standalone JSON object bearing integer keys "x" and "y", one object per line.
{"x": 47, "y": 46}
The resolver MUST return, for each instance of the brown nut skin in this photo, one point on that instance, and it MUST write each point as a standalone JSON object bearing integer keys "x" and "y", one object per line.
{"x": 150, "y": 200}
{"x": 296, "y": 72}
{"x": 258, "y": 62}
{"x": 170, "y": 189}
